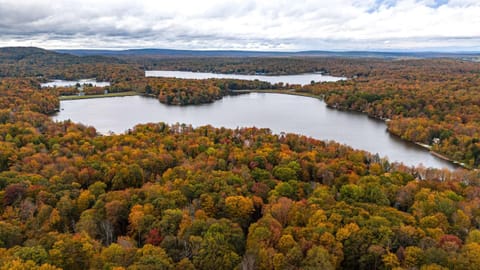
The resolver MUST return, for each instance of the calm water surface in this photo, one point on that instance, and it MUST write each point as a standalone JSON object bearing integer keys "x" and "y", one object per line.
{"x": 280, "y": 113}
{"x": 290, "y": 79}
{"x": 62, "y": 83}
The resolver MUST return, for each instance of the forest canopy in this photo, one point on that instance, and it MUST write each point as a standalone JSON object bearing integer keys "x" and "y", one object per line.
{"x": 176, "y": 197}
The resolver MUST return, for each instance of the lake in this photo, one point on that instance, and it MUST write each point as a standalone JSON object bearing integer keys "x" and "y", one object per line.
{"x": 63, "y": 83}
{"x": 302, "y": 79}
{"x": 279, "y": 112}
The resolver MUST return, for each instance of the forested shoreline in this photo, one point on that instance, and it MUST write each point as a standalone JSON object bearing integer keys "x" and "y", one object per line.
{"x": 432, "y": 102}
{"x": 176, "y": 197}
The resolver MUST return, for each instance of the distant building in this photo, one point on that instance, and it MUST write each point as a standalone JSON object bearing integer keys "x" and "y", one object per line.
{"x": 80, "y": 91}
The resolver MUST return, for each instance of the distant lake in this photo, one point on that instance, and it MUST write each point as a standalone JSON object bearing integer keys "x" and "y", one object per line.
{"x": 63, "y": 83}
{"x": 302, "y": 79}
{"x": 280, "y": 113}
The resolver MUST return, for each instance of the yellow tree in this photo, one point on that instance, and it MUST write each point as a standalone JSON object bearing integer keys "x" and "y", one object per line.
{"x": 239, "y": 209}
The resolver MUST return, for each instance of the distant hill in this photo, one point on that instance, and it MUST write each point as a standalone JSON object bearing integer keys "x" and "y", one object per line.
{"x": 20, "y": 53}
{"x": 171, "y": 52}
{"x": 106, "y": 64}
{"x": 33, "y": 55}
{"x": 36, "y": 62}
{"x": 234, "y": 53}
{"x": 38, "y": 55}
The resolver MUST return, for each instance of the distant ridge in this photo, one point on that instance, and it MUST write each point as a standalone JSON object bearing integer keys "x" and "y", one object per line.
{"x": 38, "y": 54}
{"x": 42, "y": 56}
{"x": 37, "y": 62}
{"x": 239, "y": 53}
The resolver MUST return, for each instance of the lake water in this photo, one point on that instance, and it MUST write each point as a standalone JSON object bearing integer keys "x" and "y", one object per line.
{"x": 302, "y": 79}
{"x": 280, "y": 113}
{"x": 63, "y": 83}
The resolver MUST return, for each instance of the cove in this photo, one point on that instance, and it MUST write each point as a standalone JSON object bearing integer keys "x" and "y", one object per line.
{"x": 278, "y": 112}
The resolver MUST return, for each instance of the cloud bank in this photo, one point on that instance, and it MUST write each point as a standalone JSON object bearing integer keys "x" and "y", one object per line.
{"x": 243, "y": 24}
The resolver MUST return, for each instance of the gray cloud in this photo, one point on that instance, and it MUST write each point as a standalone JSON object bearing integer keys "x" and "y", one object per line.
{"x": 242, "y": 24}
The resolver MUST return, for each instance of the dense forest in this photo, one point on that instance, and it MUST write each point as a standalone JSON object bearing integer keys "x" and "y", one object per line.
{"x": 174, "y": 197}
{"x": 434, "y": 102}
{"x": 35, "y": 62}
{"x": 124, "y": 76}
{"x": 430, "y": 101}
{"x": 177, "y": 197}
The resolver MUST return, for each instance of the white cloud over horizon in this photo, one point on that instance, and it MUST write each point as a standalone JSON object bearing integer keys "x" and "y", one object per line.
{"x": 243, "y": 24}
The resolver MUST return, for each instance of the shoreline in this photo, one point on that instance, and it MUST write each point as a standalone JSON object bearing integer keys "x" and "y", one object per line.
{"x": 422, "y": 145}
{"x": 117, "y": 94}
{"x": 440, "y": 156}
{"x": 275, "y": 91}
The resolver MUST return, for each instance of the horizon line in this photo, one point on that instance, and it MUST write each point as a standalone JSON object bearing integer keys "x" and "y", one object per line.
{"x": 418, "y": 50}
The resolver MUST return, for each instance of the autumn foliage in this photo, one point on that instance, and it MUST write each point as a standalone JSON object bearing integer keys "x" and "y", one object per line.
{"x": 434, "y": 102}
{"x": 176, "y": 197}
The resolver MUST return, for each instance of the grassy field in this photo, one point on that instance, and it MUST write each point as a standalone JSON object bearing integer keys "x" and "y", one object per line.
{"x": 121, "y": 94}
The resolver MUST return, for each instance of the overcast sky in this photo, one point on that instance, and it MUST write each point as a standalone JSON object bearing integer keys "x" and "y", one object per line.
{"x": 286, "y": 25}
